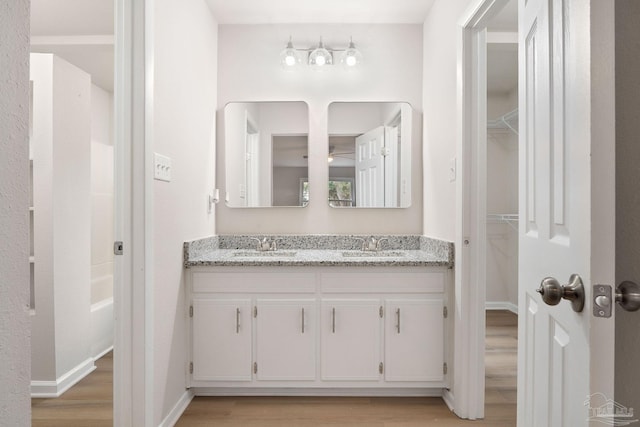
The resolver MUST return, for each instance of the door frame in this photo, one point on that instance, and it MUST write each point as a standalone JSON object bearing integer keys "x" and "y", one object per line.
{"x": 133, "y": 207}
{"x": 467, "y": 400}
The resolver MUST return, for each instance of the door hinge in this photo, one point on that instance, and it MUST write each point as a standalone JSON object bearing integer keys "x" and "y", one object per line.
{"x": 255, "y": 311}
{"x": 381, "y": 367}
{"x": 255, "y": 367}
{"x": 444, "y": 368}
{"x": 381, "y": 312}
{"x": 191, "y": 367}
{"x": 118, "y": 247}
{"x": 190, "y": 311}
{"x": 445, "y": 312}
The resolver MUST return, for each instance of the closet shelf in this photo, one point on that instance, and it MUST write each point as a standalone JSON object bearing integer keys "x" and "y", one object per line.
{"x": 510, "y": 219}
{"x": 507, "y": 122}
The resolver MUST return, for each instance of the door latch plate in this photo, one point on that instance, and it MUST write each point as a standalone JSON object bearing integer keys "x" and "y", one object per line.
{"x": 602, "y": 301}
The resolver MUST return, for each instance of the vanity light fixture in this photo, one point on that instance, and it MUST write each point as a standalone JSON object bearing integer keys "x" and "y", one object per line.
{"x": 320, "y": 57}
{"x": 289, "y": 57}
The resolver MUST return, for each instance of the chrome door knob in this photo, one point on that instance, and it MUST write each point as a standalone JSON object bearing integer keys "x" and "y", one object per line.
{"x": 628, "y": 295}
{"x": 553, "y": 292}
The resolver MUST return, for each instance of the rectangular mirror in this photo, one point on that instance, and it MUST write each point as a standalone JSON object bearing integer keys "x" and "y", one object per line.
{"x": 369, "y": 155}
{"x": 266, "y": 149}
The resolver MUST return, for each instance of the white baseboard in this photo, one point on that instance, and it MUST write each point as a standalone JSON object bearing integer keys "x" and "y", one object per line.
{"x": 107, "y": 350}
{"x": 64, "y": 382}
{"x": 501, "y": 305}
{"x": 449, "y": 399}
{"x": 178, "y": 409}
{"x": 325, "y": 392}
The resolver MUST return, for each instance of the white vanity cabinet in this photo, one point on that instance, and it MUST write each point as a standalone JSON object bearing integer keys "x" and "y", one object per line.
{"x": 221, "y": 339}
{"x": 271, "y": 330}
{"x": 350, "y": 339}
{"x": 414, "y": 334}
{"x": 285, "y": 339}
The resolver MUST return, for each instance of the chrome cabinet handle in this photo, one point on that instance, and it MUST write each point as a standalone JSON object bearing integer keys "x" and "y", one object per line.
{"x": 398, "y": 317}
{"x": 333, "y": 320}
{"x": 237, "y": 320}
{"x": 303, "y": 320}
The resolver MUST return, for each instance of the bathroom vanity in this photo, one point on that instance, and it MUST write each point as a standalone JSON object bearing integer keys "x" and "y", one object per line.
{"x": 331, "y": 320}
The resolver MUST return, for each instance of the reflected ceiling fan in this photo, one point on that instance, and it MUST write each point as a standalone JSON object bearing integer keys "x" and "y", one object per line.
{"x": 333, "y": 154}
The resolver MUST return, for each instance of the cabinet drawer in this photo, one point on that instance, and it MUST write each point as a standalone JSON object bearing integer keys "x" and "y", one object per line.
{"x": 253, "y": 282}
{"x": 382, "y": 282}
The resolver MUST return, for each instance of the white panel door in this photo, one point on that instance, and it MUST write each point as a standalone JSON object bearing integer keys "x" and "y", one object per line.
{"x": 222, "y": 339}
{"x": 562, "y": 353}
{"x": 370, "y": 169}
{"x": 391, "y": 167}
{"x": 286, "y": 339}
{"x": 350, "y": 339}
{"x": 414, "y": 337}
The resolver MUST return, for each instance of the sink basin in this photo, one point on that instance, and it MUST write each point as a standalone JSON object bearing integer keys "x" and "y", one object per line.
{"x": 374, "y": 254}
{"x": 258, "y": 254}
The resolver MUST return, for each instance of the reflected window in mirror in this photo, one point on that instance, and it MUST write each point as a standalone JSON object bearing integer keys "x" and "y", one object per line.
{"x": 266, "y": 153}
{"x": 370, "y": 143}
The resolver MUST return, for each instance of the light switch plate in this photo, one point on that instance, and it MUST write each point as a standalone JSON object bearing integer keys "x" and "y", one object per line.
{"x": 162, "y": 168}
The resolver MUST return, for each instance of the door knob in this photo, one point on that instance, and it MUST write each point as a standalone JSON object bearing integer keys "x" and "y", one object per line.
{"x": 553, "y": 292}
{"x": 628, "y": 295}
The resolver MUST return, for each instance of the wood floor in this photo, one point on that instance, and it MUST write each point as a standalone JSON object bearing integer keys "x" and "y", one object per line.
{"x": 89, "y": 403}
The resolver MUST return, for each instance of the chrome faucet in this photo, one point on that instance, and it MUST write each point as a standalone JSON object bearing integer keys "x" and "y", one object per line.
{"x": 265, "y": 244}
{"x": 371, "y": 244}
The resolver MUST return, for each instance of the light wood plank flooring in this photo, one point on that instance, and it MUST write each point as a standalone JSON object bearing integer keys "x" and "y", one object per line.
{"x": 89, "y": 403}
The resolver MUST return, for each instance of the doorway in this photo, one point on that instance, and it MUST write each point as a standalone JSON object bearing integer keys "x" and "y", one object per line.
{"x": 72, "y": 193}
{"x": 487, "y": 188}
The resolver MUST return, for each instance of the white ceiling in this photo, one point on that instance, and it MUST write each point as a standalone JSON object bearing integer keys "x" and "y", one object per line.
{"x": 68, "y": 28}
{"x": 79, "y": 20}
{"x": 325, "y": 11}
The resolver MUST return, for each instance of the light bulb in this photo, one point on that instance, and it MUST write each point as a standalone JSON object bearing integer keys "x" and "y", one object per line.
{"x": 320, "y": 60}
{"x": 351, "y": 56}
{"x": 290, "y": 60}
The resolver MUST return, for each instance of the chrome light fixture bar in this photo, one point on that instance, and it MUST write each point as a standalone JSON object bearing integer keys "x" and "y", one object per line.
{"x": 320, "y": 57}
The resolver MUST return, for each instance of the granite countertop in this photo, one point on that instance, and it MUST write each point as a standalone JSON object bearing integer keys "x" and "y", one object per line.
{"x": 318, "y": 250}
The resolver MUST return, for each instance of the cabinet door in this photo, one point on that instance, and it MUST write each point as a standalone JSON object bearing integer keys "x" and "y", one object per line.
{"x": 414, "y": 340}
{"x": 350, "y": 339}
{"x": 222, "y": 339}
{"x": 285, "y": 339}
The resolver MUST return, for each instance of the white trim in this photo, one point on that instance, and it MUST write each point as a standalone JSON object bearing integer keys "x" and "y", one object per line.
{"x": 55, "y": 388}
{"x": 449, "y": 399}
{"x": 78, "y": 40}
{"x": 104, "y": 352}
{"x": 133, "y": 346}
{"x": 178, "y": 409}
{"x": 470, "y": 278}
{"x": 335, "y": 392}
{"x": 501, "y": 305}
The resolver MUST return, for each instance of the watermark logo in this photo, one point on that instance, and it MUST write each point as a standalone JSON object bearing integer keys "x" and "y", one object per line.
{"x": 607, "y": 411}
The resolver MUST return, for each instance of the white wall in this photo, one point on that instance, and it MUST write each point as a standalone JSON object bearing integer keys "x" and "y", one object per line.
{"x": 61, "y": 187}
{"x": 102, "y": 168}
{"x": 440, "y": 110}
{"x": 391, "y": 71}
{"x": 15, "y": 357}
{"x": 184, "y": 103}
